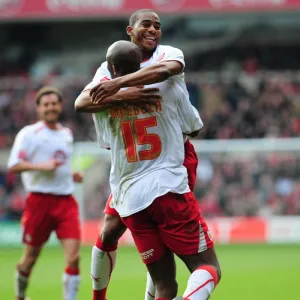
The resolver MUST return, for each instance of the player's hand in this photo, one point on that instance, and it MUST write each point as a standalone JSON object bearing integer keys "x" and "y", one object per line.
{"x": 141, "y": 97}
{"x": 77, "y": 177}
{"x": 50, "y": 165}
{"x": 104, "y": 89}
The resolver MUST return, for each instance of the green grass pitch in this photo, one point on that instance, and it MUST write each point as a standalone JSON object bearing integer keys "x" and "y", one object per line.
{"x": 250, "y": 272}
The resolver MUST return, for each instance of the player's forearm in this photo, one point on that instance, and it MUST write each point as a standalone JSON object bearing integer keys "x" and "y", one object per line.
{"x": 25, "y": 166}
{"x": 84, "y": 104}
{"x": 149, "y": 75}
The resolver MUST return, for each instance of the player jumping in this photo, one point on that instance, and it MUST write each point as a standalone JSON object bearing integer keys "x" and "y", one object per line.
{"x": 42, "y": 153}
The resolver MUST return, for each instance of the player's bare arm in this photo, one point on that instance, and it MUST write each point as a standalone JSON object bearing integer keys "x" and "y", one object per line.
{"x": 149, "y": 75}
{"x": 24, "y": 166}
{"x": 134, "y": 96}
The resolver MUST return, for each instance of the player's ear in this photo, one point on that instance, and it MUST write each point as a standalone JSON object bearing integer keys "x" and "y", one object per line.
{"x": 129, "y": 30}
{"x": 114, "y": 70}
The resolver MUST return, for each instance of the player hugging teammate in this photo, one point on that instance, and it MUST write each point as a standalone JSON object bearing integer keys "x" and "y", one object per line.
{"x": 153, "y": 164}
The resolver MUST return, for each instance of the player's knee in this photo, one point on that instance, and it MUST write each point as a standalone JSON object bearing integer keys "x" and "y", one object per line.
{"x": 73, "y": 260}
{"x": 112, "y": 230}
{"x": 29, "y": 260}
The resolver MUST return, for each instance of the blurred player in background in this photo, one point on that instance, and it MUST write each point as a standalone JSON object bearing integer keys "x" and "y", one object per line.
{"x": 150, "y": 185}
{"x": 159, "y": 63}
{"x": 42, "y": 154}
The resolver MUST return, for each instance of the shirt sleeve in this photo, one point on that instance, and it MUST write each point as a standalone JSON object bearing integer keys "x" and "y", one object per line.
{"x": 100, "y": 131}
{"x": 173, "y": 54}
{"x": 102, "y": 74}
{"x": 20, "y": 150}
{"x": 189, "y": 117}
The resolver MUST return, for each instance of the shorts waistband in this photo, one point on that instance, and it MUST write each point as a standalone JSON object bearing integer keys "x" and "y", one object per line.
{"x": 49, "y": 194}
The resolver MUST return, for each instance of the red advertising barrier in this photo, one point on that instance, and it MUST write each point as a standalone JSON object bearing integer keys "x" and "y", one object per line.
{"x": 223, "y": 230}
{"x": 23, "y": 9}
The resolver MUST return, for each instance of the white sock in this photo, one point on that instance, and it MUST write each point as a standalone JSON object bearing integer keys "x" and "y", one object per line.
{"x": 71, "y": 285}
{"x": 21, "y": 283}
{"x": 201, "y": 284}
{"x": 101, "y": 267}
{"x": 150, "y": 288}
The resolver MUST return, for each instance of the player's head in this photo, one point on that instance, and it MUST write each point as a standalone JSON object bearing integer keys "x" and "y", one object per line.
{"x": 144, "y": 29}
{"x": 49, "y": 104}
{"x": 123, "y": 58}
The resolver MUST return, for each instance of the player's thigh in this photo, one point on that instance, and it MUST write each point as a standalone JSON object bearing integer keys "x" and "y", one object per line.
{"x": 66, "y": 218}
{"x": 112, "y": 230}
{"x": 181, "y": 225}
{"x": 36, "y": 220}
{"x": 108, "y": 209}
{"x": 146, "y": 236}
{"x": 163, "y": 274}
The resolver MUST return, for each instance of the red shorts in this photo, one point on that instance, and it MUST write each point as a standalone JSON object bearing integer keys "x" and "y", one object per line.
{"x": 172, "y": 221}
{"x": 191, "y": 164}
{"x": 45, "y": 213}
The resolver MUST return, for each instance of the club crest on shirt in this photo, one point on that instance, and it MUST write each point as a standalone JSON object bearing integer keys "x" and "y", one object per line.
{"x": 60, "y": 156}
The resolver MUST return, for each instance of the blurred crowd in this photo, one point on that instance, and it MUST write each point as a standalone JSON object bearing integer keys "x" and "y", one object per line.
{"x": 228, "y": 184}
{"x": 261, "y": 184}
{"x": 248, "y": 102}
{"x": 248, "y": 106}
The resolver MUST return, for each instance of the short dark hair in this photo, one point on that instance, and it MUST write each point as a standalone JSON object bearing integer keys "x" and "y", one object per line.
{"x": 47, "y": 90}
{"x": 135, "y": 16}
{"x": 125, "y": 56}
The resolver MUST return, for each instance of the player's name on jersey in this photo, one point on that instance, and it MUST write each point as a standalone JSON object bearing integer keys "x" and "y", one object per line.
{"x": 131, "y": 110}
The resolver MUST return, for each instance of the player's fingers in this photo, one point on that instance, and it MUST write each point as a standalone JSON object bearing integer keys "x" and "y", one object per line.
{"x": 94, "y": 90}
{"x": 153, "y": 96}
{"x": 98, "y": 97}
{"x": 150, "y": 90}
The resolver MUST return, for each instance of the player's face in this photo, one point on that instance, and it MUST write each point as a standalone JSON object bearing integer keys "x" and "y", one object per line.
{"x": 146, "y": 32}
{"x": 49, "y": 108}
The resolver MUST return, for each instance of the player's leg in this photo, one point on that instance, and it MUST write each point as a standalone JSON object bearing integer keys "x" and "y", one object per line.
{"x": 185, "y": 233}
{"x": 71, "y": 276}
{"x": 150, "y": 288}
{"x": 104, "y": 254}
{"x": 206, "y": 274}
{"x": 24, "y": 268}
{"x": 67, "y": 227}
{"x": 36, "y": 223}
{"x": 158, "y": 259}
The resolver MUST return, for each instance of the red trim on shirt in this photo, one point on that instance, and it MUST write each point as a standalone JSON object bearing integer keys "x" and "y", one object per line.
{"x": 105, "y": 78}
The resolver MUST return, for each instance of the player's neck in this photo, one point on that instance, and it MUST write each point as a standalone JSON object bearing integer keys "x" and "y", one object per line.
{"x": 146, "y": 55}
{"x": 51, "y": 125}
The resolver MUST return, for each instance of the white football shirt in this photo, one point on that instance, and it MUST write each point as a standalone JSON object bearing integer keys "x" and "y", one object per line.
{"x": 147, "y": 148}
{"x": 162, "y": 53}
{"x": 37, "y": 144}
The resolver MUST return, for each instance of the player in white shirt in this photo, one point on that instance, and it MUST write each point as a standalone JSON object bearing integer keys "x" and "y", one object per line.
{"x": 159, "y": 62}
{"x": 42, "y": 154}
{"x": 149, "y": 182}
